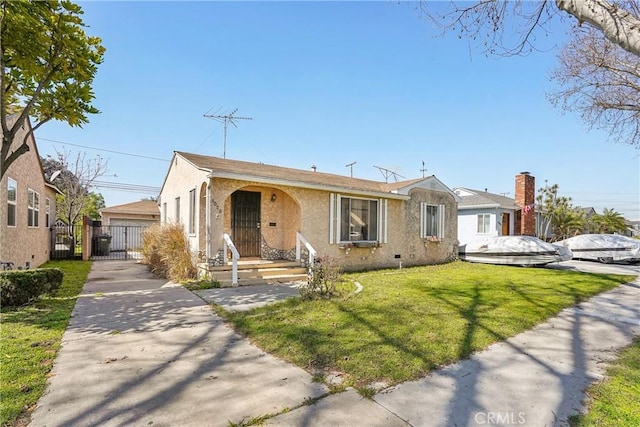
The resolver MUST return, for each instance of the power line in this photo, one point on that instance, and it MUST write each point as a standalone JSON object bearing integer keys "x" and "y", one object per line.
{"x": 103, "y": 149}
{"x": 125, "y": 187}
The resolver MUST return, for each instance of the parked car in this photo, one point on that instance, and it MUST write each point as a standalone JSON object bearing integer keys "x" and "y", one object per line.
{"x": 606, "y": 248}
{"x": 513, "y": 250}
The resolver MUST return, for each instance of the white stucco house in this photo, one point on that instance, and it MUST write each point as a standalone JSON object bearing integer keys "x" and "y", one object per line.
{"x": 482, "y": 214}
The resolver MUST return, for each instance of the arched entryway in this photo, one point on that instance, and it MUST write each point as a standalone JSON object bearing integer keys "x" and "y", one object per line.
{"x": 263, "y": 222}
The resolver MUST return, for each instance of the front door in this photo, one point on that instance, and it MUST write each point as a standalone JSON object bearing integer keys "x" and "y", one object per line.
{"x": 245, "y": 222}
{"x": 505, "y": 224}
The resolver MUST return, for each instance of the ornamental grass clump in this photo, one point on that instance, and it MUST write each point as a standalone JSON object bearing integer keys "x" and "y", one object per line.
{"x": 166, "y": 252}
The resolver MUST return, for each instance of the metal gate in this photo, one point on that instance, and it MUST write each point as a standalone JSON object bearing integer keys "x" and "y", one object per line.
{"x": 66, "y": 241}
{"x": 116, "y": 242}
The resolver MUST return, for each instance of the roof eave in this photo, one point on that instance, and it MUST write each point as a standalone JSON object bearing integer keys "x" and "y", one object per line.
{"x": 306, "y": 185}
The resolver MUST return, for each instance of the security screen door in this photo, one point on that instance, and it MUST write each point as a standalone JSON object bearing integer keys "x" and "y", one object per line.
{"x": 245, "y": 222}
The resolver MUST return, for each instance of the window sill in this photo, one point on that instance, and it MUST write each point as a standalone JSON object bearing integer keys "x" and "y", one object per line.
{"x": 432, "y": 239}
{"x": 360, "y": 244}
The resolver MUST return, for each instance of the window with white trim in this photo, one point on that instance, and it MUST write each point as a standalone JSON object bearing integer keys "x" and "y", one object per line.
{"x": 164, "y": 212}
{"x": 177, "y": 209}
{"x": 353, "y": 219}
{"x": 484, "y": 223}
{"x": 12, "y": 201}
{"x": 358, "y": 219}
{"x": 47, "y": 212}
{"x": 431, "y": 220}
{"x": 192, "y": 211}
{"x": 33, "y": 208}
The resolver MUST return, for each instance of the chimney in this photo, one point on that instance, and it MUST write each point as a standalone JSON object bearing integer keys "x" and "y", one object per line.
{"x": 525, "y": 198}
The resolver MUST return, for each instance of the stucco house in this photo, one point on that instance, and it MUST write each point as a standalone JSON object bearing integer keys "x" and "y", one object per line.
{"x": 270, "y": 212}
{"x": 482, "y": 214}
{"x": 28, "y": 207}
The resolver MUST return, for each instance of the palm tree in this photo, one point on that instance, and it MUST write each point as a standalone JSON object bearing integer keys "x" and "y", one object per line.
{"x": 609, "y": 222}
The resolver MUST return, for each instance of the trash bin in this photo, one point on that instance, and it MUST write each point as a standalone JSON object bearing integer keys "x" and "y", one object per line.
{"x": 101, "y": 244}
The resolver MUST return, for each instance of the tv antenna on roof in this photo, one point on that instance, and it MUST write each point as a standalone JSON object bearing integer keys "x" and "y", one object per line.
{"x": 351, "y": 166}
{"x": 424, "y": 168}
{"x": 387, "y": 173}
{"x": 227, "y": 118}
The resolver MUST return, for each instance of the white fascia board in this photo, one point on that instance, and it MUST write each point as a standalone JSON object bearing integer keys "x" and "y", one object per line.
{"x": 491, "y": 206}
{"x": 439, "y": 186}
{"x": 298, "y": 184}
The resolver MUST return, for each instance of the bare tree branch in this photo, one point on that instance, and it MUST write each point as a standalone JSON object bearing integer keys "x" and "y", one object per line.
{"x": 600, "y": 81}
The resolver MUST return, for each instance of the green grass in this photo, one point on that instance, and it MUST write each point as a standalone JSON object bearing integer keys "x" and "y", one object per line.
{"x": 30, "y": 338}
{"x": 410, "y": 321}
{"x": 615, "y": 401}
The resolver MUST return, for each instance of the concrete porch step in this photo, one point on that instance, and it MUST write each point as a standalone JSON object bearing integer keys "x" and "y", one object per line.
{"x": 255, "y": 264}
{"x": 253, "y": 272}
{"x": 287, "y": 278}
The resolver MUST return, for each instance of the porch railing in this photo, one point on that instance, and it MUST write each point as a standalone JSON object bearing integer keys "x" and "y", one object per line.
{"x": 228, "y": 244}
{"x": 300, "y": 240}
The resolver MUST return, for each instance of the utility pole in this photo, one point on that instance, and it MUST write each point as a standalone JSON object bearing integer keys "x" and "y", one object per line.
{"x": 227, "y": 118}
{"x": 350, "y": 165}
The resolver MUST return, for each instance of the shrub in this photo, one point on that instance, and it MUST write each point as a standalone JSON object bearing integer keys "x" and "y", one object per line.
{"x": 18, "y": 287}
{"x": 165, "y": 250}
{"x": 323, "y": 276}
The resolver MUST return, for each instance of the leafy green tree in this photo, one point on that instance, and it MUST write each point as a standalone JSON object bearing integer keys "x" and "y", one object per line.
{"x": 47, "y": 67}
{"x": 609, "y": 222}
{"x": 95, "y": 202}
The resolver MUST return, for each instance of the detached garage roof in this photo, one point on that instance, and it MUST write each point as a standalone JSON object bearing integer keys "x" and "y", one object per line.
{"x": 142, "y": 207}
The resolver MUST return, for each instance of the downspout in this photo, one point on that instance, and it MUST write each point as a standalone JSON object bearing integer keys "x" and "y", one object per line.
{"x": 208, "y": 221}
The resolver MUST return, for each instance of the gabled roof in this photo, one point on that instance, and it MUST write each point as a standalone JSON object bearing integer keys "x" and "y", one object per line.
{"x": 11, "y": 119}
{"x": 142, "y": 207}
{"x": 478, "y": 199}
{"x": 260, "y": 172}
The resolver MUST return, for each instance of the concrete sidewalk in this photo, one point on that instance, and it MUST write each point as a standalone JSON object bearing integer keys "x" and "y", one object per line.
{"x": 139, "y": 351}
{"x": 536, "y": 378}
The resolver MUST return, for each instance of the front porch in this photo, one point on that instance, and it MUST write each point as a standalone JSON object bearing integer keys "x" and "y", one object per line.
{"x": 254, "y": 271}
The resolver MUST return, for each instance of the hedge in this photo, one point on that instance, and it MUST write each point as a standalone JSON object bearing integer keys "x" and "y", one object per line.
{"x": 18, "y": 287}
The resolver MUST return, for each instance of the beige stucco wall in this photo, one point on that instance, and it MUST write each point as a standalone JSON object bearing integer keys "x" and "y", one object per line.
{"x": 22, "y": 244}
{"x": 307, "y": 210}
{"x": 181, "y": 178}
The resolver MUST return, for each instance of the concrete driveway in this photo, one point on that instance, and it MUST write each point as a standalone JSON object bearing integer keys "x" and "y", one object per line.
{"x": 140, "y": 351}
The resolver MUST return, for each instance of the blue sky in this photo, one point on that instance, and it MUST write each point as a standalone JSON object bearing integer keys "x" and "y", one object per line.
{"x": 330, "y": 83}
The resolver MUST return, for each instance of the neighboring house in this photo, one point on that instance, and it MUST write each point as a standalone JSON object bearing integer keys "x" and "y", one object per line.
{"x": 129, "y": 218}
{"x": 633, "y": 228}
{"x": 264, "y": 209}
{"x": 28, "y": 207}
{"x": 482, "y": 214}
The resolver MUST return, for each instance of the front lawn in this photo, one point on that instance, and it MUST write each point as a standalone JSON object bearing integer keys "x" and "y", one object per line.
{"x": 410, "y": 321}
{"x": 615, "y": 401}
{"x": 30, "y": 338}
